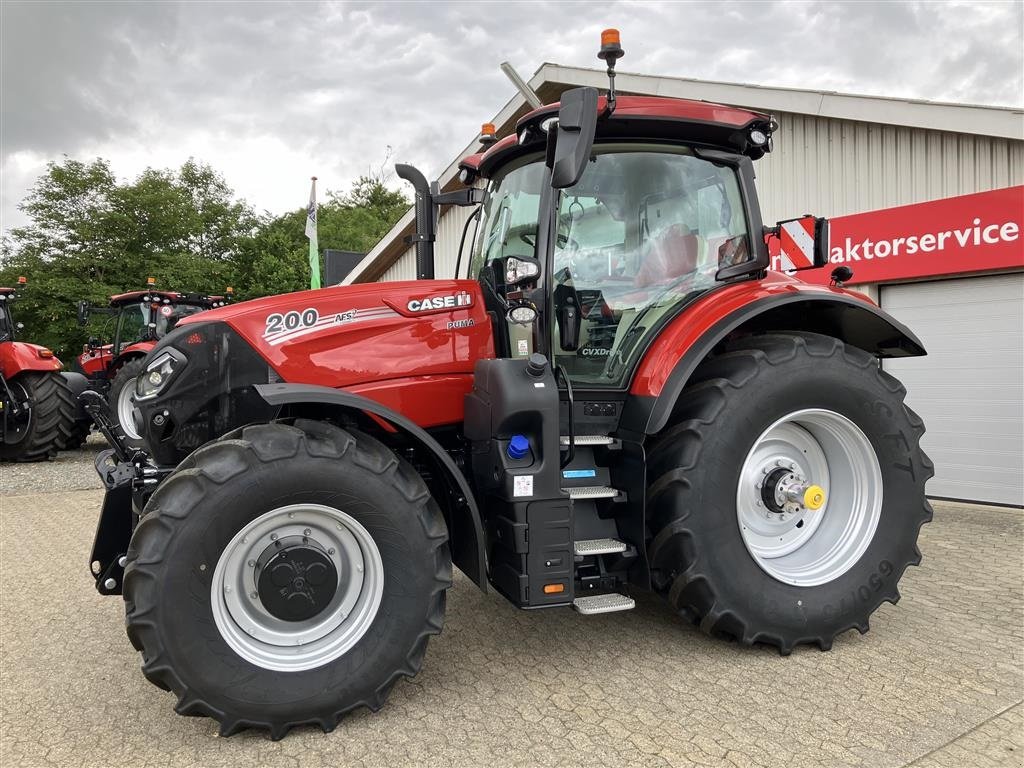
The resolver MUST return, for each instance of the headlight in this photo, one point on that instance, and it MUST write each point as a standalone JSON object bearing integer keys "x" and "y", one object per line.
{"x": 160, "y": 371}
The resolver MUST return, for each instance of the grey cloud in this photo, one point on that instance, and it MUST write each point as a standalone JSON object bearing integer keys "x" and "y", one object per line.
{"x": 337, "y": 82}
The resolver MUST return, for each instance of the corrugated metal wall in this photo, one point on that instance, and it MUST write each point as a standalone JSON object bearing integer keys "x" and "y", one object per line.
{"x": 833, "y": 167}
{"x": 446, "y": 248}
{"x": 837, "y": 167}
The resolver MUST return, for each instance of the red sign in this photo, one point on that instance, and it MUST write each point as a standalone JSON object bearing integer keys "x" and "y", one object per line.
{"x": 970, "y": 233}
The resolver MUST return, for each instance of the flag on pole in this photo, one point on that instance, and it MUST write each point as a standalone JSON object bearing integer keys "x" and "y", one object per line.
{"x": 314, "y": 246}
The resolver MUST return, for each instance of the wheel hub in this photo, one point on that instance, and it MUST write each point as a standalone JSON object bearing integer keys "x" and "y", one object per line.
{"x": 796, "y": 530}
{"x": 295, "y": 579}
{"x": 297, "y": 587}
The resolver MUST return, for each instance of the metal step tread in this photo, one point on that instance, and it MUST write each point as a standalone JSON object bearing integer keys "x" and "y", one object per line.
{"x": 588, "y": 440}
{"x": 592, "y": 492}
{"x": 586, "y": 547}
{"x": 606, "y": 603}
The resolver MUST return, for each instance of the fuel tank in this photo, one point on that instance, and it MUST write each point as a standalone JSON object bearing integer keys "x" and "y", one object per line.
{"x": 358, "y": 336}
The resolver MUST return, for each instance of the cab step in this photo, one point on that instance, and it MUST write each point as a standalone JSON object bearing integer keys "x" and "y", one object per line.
{"x": 609, "y": 602}
{"x": 588, "y": 440}
{"x": 592, "y": 492}
{"x": 587, "y": 547}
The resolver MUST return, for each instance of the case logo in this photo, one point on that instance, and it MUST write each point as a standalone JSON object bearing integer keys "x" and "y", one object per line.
{"x": 432, "y": 303}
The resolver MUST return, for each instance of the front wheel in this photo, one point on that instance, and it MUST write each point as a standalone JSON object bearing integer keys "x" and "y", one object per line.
{"x": 285, "y": 575}
{"x": 121, "y": 398}
{"x": 42, "y": 420}
{"x": 787, "y": 496}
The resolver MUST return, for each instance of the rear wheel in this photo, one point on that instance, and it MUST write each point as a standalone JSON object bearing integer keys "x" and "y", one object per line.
{"x": 285, "y": 575}
{"x": 121, "y": 398}
{"x": 787, "y": 496}
{"x": 46, "y": 418}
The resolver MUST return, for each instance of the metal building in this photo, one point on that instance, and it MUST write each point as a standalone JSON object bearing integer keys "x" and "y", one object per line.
{"x": 836, "y": 155}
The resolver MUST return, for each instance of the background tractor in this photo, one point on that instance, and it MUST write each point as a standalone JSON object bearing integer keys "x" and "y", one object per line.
{"x": 39, "y": 413}
{"x": 141, "y": 318}
{"x": 617, "y": 396}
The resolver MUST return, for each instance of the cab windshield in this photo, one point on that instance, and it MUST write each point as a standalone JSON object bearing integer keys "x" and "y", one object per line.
{"x": 644, "y": 231}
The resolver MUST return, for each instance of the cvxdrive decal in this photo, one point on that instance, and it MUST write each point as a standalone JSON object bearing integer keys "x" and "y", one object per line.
{"x": 434, "y": 303}
{"x": 282, "y": 327}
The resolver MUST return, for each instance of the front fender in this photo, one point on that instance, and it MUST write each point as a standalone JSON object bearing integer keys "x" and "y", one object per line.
{"x": 465, "y": 527}
{"x": 18, "y": 356}
{"x": 690, "y": 338}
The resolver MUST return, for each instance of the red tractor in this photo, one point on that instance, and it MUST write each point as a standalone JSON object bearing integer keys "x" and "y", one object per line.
{"x": 38, "y": 406}
{"x": 141, "y": 319}
{"x": 620, "y": 397}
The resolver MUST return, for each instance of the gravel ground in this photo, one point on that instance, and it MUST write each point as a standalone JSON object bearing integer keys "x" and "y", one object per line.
{"x": 938, "y": 681}
{"x": 70, "y": 471}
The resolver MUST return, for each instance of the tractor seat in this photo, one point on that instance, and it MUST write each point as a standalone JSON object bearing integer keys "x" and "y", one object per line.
{"x": 671, "y": 254}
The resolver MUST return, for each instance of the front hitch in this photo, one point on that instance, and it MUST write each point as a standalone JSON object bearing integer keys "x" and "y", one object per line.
{"x": 129, "y": 477}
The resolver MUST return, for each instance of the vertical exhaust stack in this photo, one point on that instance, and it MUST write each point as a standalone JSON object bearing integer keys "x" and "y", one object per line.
{"x": 423, "y": 237}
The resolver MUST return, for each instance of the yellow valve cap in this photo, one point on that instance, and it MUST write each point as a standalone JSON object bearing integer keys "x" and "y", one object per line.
{"x": 814, "y": 497}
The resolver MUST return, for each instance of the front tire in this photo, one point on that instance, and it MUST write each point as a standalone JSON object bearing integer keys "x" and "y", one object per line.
{"x": 737, "y": 544}
{"x": 121, "y": 398}
{"x": 37, "y": 434}
{"x": 280, "y": 655}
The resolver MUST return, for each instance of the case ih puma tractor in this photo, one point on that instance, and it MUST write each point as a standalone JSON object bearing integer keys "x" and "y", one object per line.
{"x": 142, "y": 319}
{"x": 39, "y": 412}
{"x": 618, "y": 397}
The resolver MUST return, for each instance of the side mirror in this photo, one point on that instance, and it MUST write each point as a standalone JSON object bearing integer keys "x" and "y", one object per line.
{"x": 821, "y": 242}
{"x": 83, "y": 312}
{"x": 577, "y": 124}
{"x": 803, "y": 243}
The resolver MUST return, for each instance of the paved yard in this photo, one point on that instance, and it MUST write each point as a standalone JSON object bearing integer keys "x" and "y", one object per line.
{"x": 938, "y": 681}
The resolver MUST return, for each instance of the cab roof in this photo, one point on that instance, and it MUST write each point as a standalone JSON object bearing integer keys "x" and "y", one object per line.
{"x": 641, "y": 117}
{"x": 169, "y": 297}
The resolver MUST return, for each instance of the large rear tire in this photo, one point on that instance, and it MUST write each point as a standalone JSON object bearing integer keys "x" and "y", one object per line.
{"x": 742, "y": 542}
{"x": 121, "y": 398}
{"x": 212, "y": 584}
{"x": 40, "y": 432}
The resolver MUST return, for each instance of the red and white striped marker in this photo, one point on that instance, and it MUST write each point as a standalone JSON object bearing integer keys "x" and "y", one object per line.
{"x": 796, "y": 243}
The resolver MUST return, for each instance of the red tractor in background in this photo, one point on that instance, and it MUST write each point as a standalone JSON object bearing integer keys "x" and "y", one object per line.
{"x": 141, "y": 319}
{"x": 617, "y": 396}
{"x": 39, "y": 412}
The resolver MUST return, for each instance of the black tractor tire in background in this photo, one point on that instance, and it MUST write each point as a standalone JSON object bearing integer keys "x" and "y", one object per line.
{"x": 82, "y": 425}
{"x": 699, "y": 558}
{"x": 50, "y": 422}
{"x": 124, "y": 382}
{"x": 194, "y": 519}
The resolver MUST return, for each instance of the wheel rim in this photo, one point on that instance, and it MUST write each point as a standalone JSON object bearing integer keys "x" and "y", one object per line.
{"x": 18, "y": 428}
{"x": 126, "y": 410}
{"x": 789, "y": 539}
{"x": 242, "y": 607}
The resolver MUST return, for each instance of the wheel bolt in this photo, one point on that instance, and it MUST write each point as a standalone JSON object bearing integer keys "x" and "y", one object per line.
{"x": 252, "y": 563}
{"x": 254, "y": 595}
{"x": 227, "y": 587}
{"x": 273, "y": 537}
{"x": 291, "y": 515}
{"x": 306, "y": 532}
{"x": 359, "y": 568}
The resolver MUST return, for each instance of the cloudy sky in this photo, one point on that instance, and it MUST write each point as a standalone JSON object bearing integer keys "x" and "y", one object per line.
{"x": 270, "y": 93}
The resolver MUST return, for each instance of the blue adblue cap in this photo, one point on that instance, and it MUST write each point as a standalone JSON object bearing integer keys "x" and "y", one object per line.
{"x": 518, "y": 447}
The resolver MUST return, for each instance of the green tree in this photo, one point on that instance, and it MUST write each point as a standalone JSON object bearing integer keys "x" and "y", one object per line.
{"x": 90, "y": 236}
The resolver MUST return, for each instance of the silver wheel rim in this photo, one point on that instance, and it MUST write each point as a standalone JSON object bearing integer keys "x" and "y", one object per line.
{"x": 126, "y": 410}
{"x": 798, "y": 545}
{"x": 292, "y": 646}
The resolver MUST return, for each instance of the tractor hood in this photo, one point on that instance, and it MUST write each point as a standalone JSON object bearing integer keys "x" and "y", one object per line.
{"x": 347, "y": 336}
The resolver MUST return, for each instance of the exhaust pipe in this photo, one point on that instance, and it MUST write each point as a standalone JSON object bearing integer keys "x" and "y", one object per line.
{"x": 423, "y": 237}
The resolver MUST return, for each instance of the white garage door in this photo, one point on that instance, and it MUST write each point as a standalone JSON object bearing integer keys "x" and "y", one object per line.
{"x": 970, "y": 388}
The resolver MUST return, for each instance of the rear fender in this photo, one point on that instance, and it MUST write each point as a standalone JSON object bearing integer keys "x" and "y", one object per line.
{"x": 693, "y": 336}
{"x": 460, "y": 509}
{"x": 18, "y": 356}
